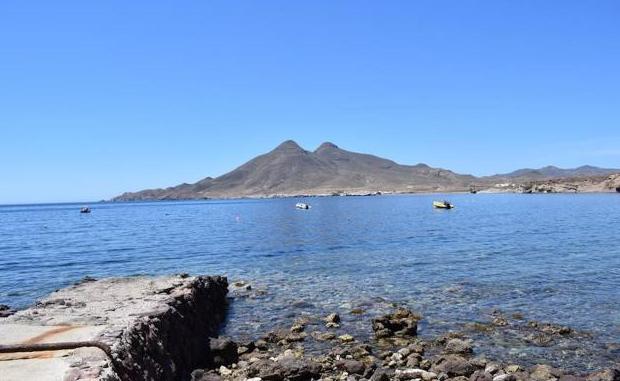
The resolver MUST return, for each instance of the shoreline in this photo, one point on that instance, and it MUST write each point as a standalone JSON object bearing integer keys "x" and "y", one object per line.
{"x": 395, "y": 351}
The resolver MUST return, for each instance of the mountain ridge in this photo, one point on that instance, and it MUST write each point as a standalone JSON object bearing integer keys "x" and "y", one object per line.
{"x": 289, "y": 170}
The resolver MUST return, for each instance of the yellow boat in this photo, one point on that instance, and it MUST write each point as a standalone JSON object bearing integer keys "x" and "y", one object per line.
{"x": 443, "y": 204}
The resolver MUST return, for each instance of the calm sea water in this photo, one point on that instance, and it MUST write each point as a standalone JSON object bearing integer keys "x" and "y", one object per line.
{"x": 553, "y": 258}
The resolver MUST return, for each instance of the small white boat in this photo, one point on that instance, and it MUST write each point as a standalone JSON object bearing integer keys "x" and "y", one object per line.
{"x": 301, "y": 205}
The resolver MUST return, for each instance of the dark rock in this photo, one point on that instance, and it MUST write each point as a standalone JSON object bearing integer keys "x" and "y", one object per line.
{"x": 481, "y": 375}
{"x": 458, "y": 346}
{"x": 5, "y": 311}
{"x": 223, "y": 351}
{"x": 402, "y": 322}
{"x": 287, "y": 368}
{"x": 382, "y": 374}
{"x": 332, "y": 318}
{"x": 605, "y": 375}
{"x": 351, "y": 366}
{"x": 261, "y": 345}
{"x": 203, "y": 375}
{"x": 85, "y": 279}
{"x": 453, "y": 366}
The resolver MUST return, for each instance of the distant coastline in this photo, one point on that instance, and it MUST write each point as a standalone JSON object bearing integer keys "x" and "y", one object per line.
{"x": 291, "y": 171}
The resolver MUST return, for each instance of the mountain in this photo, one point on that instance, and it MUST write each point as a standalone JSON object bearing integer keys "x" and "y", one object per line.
{"x": 551, "y": 172}
{"x": 291, "y": 170}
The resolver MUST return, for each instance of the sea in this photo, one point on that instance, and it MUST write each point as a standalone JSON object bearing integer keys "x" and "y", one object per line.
{"x": 533, "y": 259}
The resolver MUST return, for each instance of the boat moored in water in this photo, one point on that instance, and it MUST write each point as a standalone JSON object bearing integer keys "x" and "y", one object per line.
{"x": 301, "y": 205}
{"x": 443, "y": 204}
{"x": 85, "y": 209}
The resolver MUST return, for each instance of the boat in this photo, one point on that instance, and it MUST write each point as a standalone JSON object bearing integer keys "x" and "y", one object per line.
{"x": 301, "y": 205}
{"x": 85, "y": 209}
{"x": 443, "y": 204}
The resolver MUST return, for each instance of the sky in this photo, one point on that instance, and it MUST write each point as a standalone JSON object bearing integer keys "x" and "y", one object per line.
{"x": 98, "y": 98}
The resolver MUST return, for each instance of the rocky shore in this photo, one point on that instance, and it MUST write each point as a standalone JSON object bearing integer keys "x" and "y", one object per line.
{"x": 166, "y": 328}
{"x": 395, "y": 353}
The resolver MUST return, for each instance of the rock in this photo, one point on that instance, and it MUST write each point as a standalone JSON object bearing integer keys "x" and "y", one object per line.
{"x": 288, "y": 368}
{"x": 382, "y": 374}
{"x": 351, "y": 366}
{"x": 297, "y": 328}
{"x": 605, "y": 375}
{"x": 332, "y": 325}
{"x": 544, "y": 373}
{"x": 458, "y": 346}
{"x": 481, "y": 375}
{"x": 225, "y": 371}
{"x": 224, "y": 351}
{"x": 411, "y": 374}
{"x": 492, "y": 368}
{"x": 513, "y": 368}
{"x": 5, "y": 311}
{"x": 568, "y": 377}
{"x": 453, "y": 366}
{"x": 346, "y": 338}
{"x": 202, "y": 375}
{"x": 261, "y": 345}
{"x": 323, "y": 336}
{"x": 332, "y": 318}
{"x": 402, "y": 322}
{"x": 505, "y": 377}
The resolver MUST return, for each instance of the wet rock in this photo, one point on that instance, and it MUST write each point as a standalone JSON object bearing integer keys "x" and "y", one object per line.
{"x": 605, "y": 375}
{"x": 513, "y": 368}
{"x": 332, "y": 318}
{"x": 402, "y": 322}
{"x": 357, "y": 311}
{"x": 382, "y": 374}
{"x": 544, "y": 373}
{"x": 5, "y": 311}
{"x": 351, "y": 366}
{"x": 332, "y": 325}
{"x": 458, "y": 346}
{"x": 223, "y": 351}
{"x": 453, "y": 366}
{"x": 481, "y": 375}
{"x": 288, "y": 368}
{"x": 323, "y": 336}
{"x": 302, "y": 304}
{"x": 346, "y": 338}
{"x": 568, "y": 377}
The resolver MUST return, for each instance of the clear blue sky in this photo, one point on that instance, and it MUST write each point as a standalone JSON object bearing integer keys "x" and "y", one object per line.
{"x": 97, "y": 98}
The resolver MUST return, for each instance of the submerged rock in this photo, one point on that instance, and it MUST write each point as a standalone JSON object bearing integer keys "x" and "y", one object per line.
{"x": 605, "y": 375}
{"x": 458, "y": 346}
{"x": 402, "y": 323}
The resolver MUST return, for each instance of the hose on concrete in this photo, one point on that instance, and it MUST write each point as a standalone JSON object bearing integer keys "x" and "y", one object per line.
{"x": 15, "y": 348}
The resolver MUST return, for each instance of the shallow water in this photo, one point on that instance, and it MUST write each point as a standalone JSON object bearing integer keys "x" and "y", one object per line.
{"x": 553, "y": 258}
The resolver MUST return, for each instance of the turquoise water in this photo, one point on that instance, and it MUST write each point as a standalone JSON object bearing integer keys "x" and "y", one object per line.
{"x": 553, "y": 258}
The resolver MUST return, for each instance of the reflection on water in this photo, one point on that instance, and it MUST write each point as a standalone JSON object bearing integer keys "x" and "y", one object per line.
{"x": 551, "y": 257}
